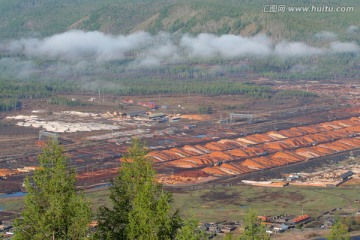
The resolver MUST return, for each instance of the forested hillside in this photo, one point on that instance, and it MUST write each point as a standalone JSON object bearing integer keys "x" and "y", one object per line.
{"x": 19, "y": 18}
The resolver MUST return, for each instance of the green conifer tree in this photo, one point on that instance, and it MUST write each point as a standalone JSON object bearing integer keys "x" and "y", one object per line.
{"x": 53, "y": 209}
{"x": 339, "y": 231}
{"x": 253, "y": 229}
{"x": 141, "y": 209}
{"x": 190, "y": 231}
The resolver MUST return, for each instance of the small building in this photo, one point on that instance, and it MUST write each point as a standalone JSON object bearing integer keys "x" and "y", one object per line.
{"x": 157, "y": 116}
{"x": 223, "y": 121}
{"x": 284, "y": 227}
{"x": 264, "y": 218}
{"x": 214, "y": 228}
{"x": 137, "y": 114}
{"x": 163, "y": 120}
{"x": 93, "y": 224}
{"x": 301, "y": 219}
{"x": 346, "y": 176}
{"x": 292, "y": 178}
{"x": 46, "y": 136}
{"x": 328, "y": 223}
{"x": 92, "y": 99}
{"x": 176, "y": 119}
{"x": 5, "y": 227}
{"x": 277, "y": 229}
{"x": 152, "y": 105}
{"x": 128, "y": 101}
{"x": 188, "y": 127}
{"x": 228, "y": 228}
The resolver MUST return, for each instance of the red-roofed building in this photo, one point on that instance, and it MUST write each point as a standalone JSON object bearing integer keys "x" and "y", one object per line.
{"x": 301, "y": 219}
{"x": 263, "y": 218}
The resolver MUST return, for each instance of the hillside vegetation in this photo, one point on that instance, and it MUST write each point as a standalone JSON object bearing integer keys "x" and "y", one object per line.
{"x": 19, "y": 18}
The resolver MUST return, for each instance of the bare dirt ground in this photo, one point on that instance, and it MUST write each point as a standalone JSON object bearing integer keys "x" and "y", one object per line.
{"x": 18, "y": 144}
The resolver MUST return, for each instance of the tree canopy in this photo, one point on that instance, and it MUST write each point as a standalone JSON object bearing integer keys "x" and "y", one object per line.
{"x": 253, "y": 229}
{"x": 339, "y": 231}
{"x": 53, "y": 209}
{"x": 141, "y": 208}
{"x": 190, "y": 231}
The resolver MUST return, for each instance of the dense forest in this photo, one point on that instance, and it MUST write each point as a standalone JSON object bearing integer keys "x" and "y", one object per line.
{"x": 19, "y": 18}
{"x": 12, "y": 92}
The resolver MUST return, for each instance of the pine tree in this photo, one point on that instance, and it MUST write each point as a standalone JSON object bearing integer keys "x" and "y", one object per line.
{"x": 52, "y": 208}
{"x": 339, "y": 231}
{"x": 253, "y": 229}
{"x": 141, "y": 209}
{"x": 190, "y": 231}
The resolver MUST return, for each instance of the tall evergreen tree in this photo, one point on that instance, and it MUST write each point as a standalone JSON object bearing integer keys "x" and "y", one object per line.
{"x": 190, "y": 231}
{"x": 141, "y": 209}
{"x": 52, "y": 208}
{"x": 253, "y": 229}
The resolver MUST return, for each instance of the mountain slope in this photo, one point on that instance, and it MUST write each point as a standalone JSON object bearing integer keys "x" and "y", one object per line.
{"x": 23, "y": 18}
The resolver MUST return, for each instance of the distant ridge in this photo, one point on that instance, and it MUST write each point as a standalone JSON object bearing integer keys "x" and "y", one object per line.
{"x": 39, "y": 18}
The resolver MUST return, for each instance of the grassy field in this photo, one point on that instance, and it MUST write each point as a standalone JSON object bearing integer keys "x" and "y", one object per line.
{"x": 231, "y": 203}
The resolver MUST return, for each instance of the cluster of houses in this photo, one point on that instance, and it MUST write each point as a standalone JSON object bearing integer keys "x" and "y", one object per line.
{"x": 282, "y": 223}
{"x": 220, "y": 228}
{"x": 275, "y": 224}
